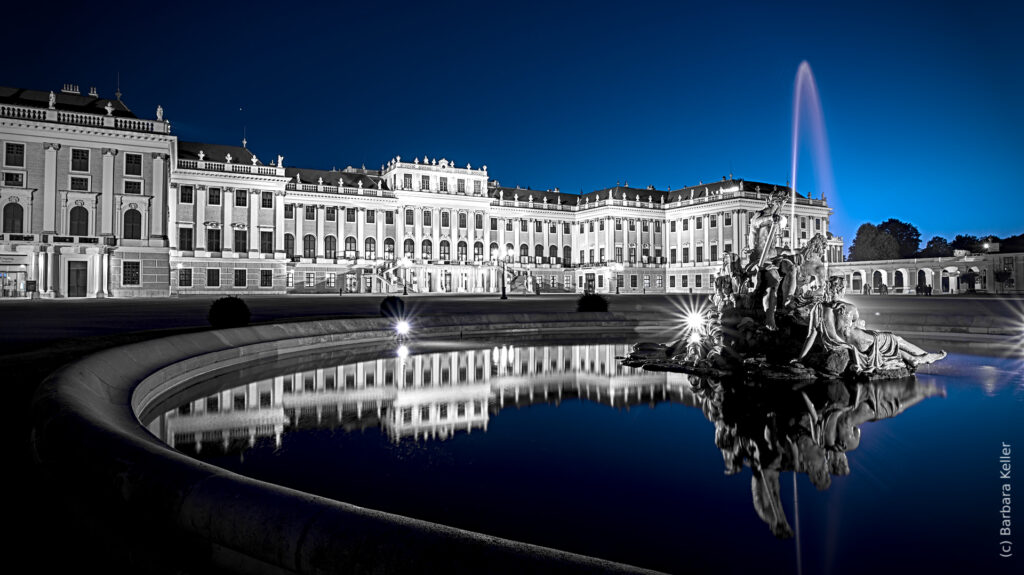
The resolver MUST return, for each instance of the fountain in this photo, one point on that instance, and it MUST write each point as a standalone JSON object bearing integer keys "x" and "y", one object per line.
{"x": 775, "y": 314}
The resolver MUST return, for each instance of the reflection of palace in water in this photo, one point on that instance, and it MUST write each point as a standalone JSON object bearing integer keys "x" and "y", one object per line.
{"x": 421, "y": 396}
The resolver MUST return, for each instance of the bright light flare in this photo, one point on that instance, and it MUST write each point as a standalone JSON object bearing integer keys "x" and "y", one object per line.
{"x": 403, "y": 352}
{"x": 694, "y": 337}
{"x": 694, "y": 321}
{"x": 402, "y": 328}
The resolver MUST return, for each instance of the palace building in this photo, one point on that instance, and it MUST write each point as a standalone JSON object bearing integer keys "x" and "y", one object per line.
{"x": 98, "y": 202}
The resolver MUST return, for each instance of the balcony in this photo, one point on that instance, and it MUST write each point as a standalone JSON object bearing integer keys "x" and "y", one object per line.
{"x": 230, "y": 168}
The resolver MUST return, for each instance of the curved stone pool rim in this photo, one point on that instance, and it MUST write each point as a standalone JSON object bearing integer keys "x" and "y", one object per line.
{"x": 88, "y": 439}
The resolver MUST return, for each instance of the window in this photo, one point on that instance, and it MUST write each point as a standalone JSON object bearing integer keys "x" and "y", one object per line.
{"x": 370, "y": 251}
{"x": 185, "y": 239}
{"x": 714, "y": 253}
{"x": 700, "y": 253}
{"x": 310, "y": 212}
{"x": 463, "y": 224}
{"x": 686, "y": 255}
{"x": 658, "y": 282}
{"x": 14, "y": 155}
{"x": 427, "y": 217}
{"x": 309, "y": 246}
{"x": 442, "y": 184}
{"x": 427, "y": 250}
{"x": 647, "y": 281}
{"x": 241, "y": 198}
{"x": 508, "y": 225}
{"x": 212, "y": 277}
{"x": 522, "y": 225}
{"x": 686, "y": 224}
{"x": 371, "y": 216}
{"x": 407, "y": 181}
{"x": 684, "y": 281}
{"x": 618, "y": 254}
{"x": 445, "y": 250}
{"x": 478, "y": 251}
{"x": 14, "y": 216}
{"x": 14, "y": 179}
{"x": 601, "y": 225}
{"x": 602, "y": 255}
{"x": 618, "y": 224}
{"x": 332, "y": 279}
{"x": 696, "y": 280}
{"x": 671, "y": 281}
{"x": 424, "y": 182}
{"x": 657, "y": 227}
{"x": 289, "y": 279}
{"x": 133, "y": 187}
{"x": 185, "y": 277}
{"x": 133, "y": 165}
{"x": 463, "y": 251}
{"x": 79, "y": 160}
{"x": 79, "y": 220}
{"x": 410, "y": 217}
{"x": 728, "y": 219}
{"x": 461, "y": 186}
{"x": 478, "y": 221}
{"x": 213, "y": 240}
{"x": 672, "y": 226}
{"x": 267, "y": 199}
{"x": 445, "y": 221}
{"x": 185, "y": 195}
{"x": 79, "y": 184}
{"x": 727, "y": 249}
{"x": 645, "y": 225}
{"x": 289, "y": 211}
{"x": 389, "y": 249}
{"x": 581, "y": 227}
{"x": 632, "y": 225}
{"x": 553, "y": 228}
{"x": 817, "y": 224}
{"x": 632, "y": 255}
{"x": 672, "y": 256}
{"x": 266, "y": 242}
{"x": 350, "y": 247}
{"x": 331, "y": 214}
{"x": 310, "y": 279}
{"x": 803, "y": 222}
{"x": 241, "y": 241}
{"x": 699, "y": 222}
{"x": 132, "y": 228}
{"x": 213, "y": 196}
{"x": 714, "y": 221}
{"x": 632, "y": 281}
{"x": 240, "y": 278}
{"x": 131, "y": 273}
{"x": 538, "y": 226}
{"x": 266, "y": 278}
{"x": 350, "y": 215}
{"x": 620, "y": 281}
{"x": 389, "y": 218}
{"x": 409, "y": 249}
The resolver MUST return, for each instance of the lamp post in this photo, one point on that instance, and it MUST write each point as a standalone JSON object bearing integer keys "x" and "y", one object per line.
{"x": 500, "y": 256}
{"x": 616, "y": 268}
{"x": 404, "y": 265}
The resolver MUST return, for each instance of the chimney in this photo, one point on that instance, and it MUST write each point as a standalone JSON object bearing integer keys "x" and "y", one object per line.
{"x": 92, "y": 92}
{"x": 70, "y": 89}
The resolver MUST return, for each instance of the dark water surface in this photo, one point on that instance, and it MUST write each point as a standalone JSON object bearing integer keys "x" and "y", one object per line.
{"x": 562, "y": 447}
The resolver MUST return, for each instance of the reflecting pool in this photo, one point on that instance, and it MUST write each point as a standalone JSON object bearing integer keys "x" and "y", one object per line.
{"x": 561, "y": 446}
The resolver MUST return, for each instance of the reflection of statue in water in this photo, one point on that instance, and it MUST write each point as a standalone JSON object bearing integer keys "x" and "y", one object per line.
{"x": 808, "y": 432}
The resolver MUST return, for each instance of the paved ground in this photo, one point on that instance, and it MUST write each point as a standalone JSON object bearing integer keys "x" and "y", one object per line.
{"x": 37, "y": 337}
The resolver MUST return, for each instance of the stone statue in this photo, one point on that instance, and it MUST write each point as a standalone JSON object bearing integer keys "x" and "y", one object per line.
{"x": 202, "y": 155}
{"x": 227, "y": 158}
{"x": 109, "y": 108}
{"x": 52, "y": 100}
{"x": 764, "y": 227}
{"x": 159, "y": 113}
{"x": 254, "y": 159}
{"x": 280, "y": 161}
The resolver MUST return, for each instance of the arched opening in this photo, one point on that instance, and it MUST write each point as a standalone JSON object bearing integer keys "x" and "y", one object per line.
{"x": 289, "y": 245}
{"x": 409, "y": 249}
{"x": 131, "y": 228}
{"x": 79, "y": 221}
{"x": 370, "y": 249}
{"x": 566, "y": 255}
{"x": 538, "y": 252}
{"x": 857, "y": 284}
{"x": 478, "y": 251}
{"x": 553, "y": 253}
{"x": 428, "y": 250}
{"x": 331, "y": 247}
{"x": 14, "y": 216}
{"x": 350, "y": 247}
{"x": 524, "y": 253}
{"x": 494, "y": 250}
{"x": 389, "y": 249}
{"x": 462, "y": 252}
{"x": 309, "y": 246}
{"x": 445, "y": 250}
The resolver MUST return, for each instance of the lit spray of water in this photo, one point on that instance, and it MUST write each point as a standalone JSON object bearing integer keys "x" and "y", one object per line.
{"x": 807, "y": 114}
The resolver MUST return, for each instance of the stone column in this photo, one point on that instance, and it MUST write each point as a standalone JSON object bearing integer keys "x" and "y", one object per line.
{"x": 50, "y": 188}
{"x": 321, "y": 236}
{"x": 692, "y": 223}
{"x": 381, "y": 235}
{"x": 97, "y": 274}
{"x": 254, "y": 223}
{"x": 200, "y": 217}
{"x": 735, "y": 231}
{"x": 418, "y": 231}
{"x": 160, "y": 197}
{"x": 279, "y": 230}
{"x": 400, "y": 234}
{"x": 172, "y": 218}
{"x": 516, "y": 230}
{"x": 106, "y": 274}
{"x": 107, "y": 198}
{"x": 707, "y": 237}
{"x": 227, "y": 234}
{"x": 53, "y": 272}
{"x": 721, "y": 234}
{"x": 300, "y": 216}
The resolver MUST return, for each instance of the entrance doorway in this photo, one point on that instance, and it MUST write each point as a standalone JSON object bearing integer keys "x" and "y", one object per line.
{"x": 589, "y": 286}
{"x": 12, "y": 283}
{"x": 78, "y": 278}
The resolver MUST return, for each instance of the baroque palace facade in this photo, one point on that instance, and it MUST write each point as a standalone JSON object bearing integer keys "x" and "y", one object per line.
{"x": 100, "y": 203}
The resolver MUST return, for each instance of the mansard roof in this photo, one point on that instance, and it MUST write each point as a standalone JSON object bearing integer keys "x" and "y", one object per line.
{"x": 350, "y": 177}
{"x": 554, "y": 197}
{"x": 215, "y": 153}
{"x": 66, "y": 102}
{"x": 714, "y": 188}
{"x": 631, "y": 193}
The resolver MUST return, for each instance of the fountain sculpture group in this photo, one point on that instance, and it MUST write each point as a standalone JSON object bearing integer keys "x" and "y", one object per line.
{"x": 776, "y": 315}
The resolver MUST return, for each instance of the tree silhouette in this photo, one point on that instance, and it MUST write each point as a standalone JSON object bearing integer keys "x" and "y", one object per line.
{"x": 906, "y": 235}
{"x": 937, "y": 247}
{"x": 873, "y": 244}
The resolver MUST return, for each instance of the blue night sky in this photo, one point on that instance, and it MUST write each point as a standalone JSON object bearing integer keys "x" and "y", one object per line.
{"x": 922, "y": 101}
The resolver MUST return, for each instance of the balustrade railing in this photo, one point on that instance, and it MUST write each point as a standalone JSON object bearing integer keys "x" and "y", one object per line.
{"x": 83, "y": 119}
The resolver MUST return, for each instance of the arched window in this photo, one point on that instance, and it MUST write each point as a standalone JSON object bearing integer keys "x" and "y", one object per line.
{"x": 478, "y": 251}
{"x": 79, "y": 224}
{"x": 132, "y": 228}
{"x": 428, "y": 250}
{"x": 409, "y": 249}
{"x": 553, "y": 252}
{"x": 567, "y": 255}
{"x": 309, "y": 246}
{"x": 14, "y": 216}
{"x": 289, "y": 245}
{"x": 538, "y": 250}
{"x": 370, "y": 252}
{"x": 389, "y": 249}
{"x": 524, "y": 252}
{"x": 510, "y": 251}
{"x": 331, "y": 247}
{"x": 446, "y": 250}
{"x": 350, "y": 247}
{"x": 494, "y": 252}
{"x": 463, "y": 250}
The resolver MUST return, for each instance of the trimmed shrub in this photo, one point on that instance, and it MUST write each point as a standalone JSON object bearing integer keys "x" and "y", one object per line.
{"x": 592, "y": 302}
{"x": 228, "y": 312}
{"x": 392, "y": 307}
